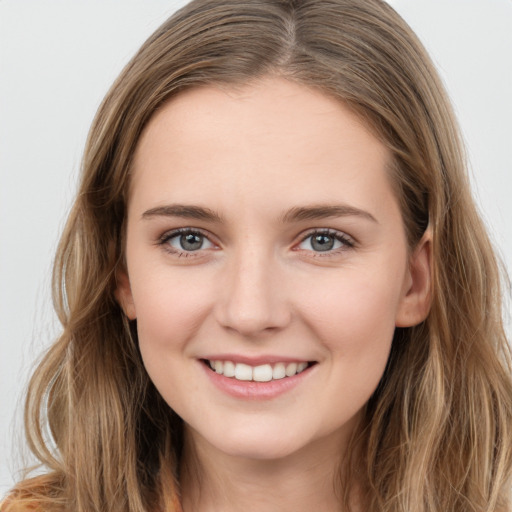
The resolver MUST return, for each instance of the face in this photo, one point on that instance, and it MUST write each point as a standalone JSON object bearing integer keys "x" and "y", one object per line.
{"x": 267, "y": 266}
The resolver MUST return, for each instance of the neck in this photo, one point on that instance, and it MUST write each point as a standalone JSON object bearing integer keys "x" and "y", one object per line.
{"x": 212, "y": 481}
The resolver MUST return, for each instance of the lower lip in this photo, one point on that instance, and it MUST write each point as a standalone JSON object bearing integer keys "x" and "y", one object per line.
{"x": 251, "y": 390}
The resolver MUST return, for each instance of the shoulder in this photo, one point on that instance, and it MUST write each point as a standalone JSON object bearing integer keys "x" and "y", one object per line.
{"x": 36, "y": 494}
{"x": 11, "y": 504}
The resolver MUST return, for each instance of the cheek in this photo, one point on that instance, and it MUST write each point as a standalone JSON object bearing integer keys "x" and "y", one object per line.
{"x": 354, "y": 317}
{"x": 170, "y": 311}
{"x": 170, "y": 308}
{"x": 355, "y": 301}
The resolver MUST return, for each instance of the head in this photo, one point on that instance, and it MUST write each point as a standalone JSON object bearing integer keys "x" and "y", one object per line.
{"x": 363, "y": 56}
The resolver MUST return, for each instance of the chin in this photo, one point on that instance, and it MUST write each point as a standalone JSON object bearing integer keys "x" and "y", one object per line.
{"x": 252, "y": 444}
{"x": 270, "y": 451}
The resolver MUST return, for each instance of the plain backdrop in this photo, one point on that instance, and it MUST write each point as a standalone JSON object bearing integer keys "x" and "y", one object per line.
{"x": 57, "y": 60}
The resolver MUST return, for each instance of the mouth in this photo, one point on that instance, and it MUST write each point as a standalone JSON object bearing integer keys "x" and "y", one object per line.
{"x": 259, "y": 373}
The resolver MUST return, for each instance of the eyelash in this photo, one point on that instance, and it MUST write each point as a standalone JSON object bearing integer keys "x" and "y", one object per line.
{"x": 166, "y": 237}
{"x": 346, "y": 241}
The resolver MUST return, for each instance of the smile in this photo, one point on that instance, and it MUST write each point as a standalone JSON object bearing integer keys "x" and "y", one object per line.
{"x": 261, "y": 373}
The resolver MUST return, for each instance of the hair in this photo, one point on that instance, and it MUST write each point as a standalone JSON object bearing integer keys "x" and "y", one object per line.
{"x": 437, "y": 432}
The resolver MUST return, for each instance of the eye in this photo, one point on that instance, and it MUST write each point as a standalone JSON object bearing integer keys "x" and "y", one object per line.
{"x": 186, "y": 240}
{"x": 325, "y": 241}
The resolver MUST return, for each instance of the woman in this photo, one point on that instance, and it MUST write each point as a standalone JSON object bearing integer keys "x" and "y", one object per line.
{"x": 274, "y": 286}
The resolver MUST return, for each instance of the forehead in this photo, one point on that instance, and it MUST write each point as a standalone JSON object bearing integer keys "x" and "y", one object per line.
{"x": 266, "y": 140}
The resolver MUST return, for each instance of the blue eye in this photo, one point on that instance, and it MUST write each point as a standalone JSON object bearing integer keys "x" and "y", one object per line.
{"x": 187, "y": 241}
{"x": 325, "y": 241}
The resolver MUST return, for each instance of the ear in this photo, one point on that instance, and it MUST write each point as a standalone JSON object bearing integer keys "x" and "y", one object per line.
{"x": 123, "y": 293}
{"x": 417, "y": 296}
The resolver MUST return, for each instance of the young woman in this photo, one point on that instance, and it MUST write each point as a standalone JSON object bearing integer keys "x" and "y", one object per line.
{"x": 275, "y": 291}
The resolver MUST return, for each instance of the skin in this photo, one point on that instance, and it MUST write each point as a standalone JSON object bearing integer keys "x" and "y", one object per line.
{"x": 257, "y": 286}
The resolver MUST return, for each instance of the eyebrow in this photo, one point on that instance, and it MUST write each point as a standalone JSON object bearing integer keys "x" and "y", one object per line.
{"x": 183, "y": 210}
{"x": 317, "y": 212}
{"x": 296, "y": 214}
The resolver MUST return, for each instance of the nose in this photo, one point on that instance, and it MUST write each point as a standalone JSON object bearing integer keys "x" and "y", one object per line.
{"x": 253, "y": 297}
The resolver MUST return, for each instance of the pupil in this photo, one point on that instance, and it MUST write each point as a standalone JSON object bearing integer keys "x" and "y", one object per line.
{"x": 322, "y": 242}
{"x": 191, "y": 242}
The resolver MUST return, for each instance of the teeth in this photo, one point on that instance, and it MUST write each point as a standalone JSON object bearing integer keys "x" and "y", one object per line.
{"x": 291, "y": 369}
{"x": 243, "y": 372}
{"x": 229, "y": 369}
{"x": 301, "y": 367}
{"x": 219, "y": 367}
{"x": 279, "y": 371}
{"x": 262, "y": 373}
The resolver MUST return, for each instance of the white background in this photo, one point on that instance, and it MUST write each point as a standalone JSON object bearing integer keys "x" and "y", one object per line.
{"x": 57, "y": 60}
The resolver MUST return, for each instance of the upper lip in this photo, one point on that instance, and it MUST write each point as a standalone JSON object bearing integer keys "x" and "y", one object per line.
{"x": 256, "y": 360}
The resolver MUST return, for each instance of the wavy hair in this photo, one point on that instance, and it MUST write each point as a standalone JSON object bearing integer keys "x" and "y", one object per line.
{"x": 437, "y": 434}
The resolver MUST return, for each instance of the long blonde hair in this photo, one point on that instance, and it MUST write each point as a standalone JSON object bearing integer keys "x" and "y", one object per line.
{"x": 438, "y": 430}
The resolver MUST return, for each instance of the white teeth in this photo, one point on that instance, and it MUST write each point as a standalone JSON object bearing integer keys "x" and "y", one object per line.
{"x": 261, "y": 373}
{"x": 291, "y": 369}
{"x": 279, "y": 371}
{"x": 243, "y": 371}
{"x": 301, "y": 367}
{"x": 229, "y": 369}
{"x": 219, "y": 366}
